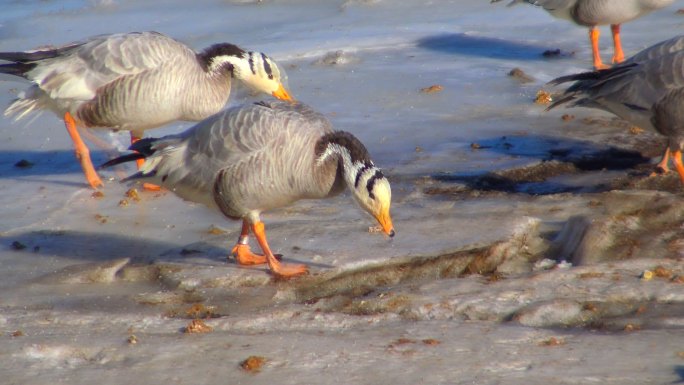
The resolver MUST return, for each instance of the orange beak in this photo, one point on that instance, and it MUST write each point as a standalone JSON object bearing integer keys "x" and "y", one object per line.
{"x": 386, "y": 223}
{"x": 282, "y": 94}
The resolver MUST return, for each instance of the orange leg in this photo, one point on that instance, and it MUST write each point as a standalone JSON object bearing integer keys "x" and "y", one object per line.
{"x": 662, "y": 166}
{"x": 594, "y": 38}
{"x": 241, "y": 251}
{"x": 618, "y": 55}
{"x": 677, "y": 158}
{"x": 82, "y": 152}
{"x": 278, "y": 269}
{"x": 140, "y": 162}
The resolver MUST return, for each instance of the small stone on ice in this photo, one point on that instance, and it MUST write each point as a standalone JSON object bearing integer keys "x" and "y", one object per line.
{"x": 23, "y": 164}
{"x": 253, "y": 363}
{"x": 197, "y": 326}
{"x": 543, "y": 97}
{"x": 432, "y": 89}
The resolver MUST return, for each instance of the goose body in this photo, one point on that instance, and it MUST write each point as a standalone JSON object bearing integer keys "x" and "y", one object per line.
{"x": 247, "y": 145}
{"x": 135, "y": 81}
{"x": 252, "y": 158}
{"x": 616, "y": 94}
{"x": 646, "y": 90}
{"x": 590, "y": 13}
{"x": 593, "y": 13}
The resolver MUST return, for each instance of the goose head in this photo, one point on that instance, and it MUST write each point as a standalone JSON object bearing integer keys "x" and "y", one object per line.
{"x": 374, "y": 194}
{"x": 369, "y": 187}
{"x": 255, "y": 69}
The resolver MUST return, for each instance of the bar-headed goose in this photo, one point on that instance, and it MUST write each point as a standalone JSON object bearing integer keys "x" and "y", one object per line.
{"x": 647, "y": 90}
{"x": 592, "y": 13}
{"x": 256, "y": 157}
{"x": 134, "y": 81}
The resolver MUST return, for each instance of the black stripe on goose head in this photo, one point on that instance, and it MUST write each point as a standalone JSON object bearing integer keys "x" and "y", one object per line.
{"x": 221, "y": 49}
{"x": 251, "y": 64}
{"x": 267, "y": 67}
{"x": 357, "y": 151}
{"x": 371, "y": 182}
{"x": 359, "y": 173}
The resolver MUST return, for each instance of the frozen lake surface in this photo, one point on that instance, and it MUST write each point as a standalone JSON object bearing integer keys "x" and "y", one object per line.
{"x": 374, "y": 311}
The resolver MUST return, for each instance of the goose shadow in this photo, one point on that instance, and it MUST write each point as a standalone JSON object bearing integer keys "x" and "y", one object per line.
{"x": 48, "y": 166}
{"x": 103, "y": 247}
{"x": 679, "y": 371}
{"x": 463, "y": 44}
{"x": 19, "y": 163}
{"x": 95, "y": 247}
{"x": 558, "y": 156}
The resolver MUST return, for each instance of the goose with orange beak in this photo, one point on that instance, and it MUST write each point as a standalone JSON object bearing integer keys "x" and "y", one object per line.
{"x": 262, "y": 156}
{"x": 134, "y": 81}
{"x": 593, "y": 13}
{"x": 647, "y": 90}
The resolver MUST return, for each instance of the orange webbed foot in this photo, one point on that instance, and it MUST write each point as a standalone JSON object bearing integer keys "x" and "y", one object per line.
{"x": 91, "y": 176}
{"x": 279, "y": 270}
{"x": 139, "y": 163}
{"x": 244, "y": 256}
{"x": 151, "y": 187}
{"x": 679, "y": 165}
{"x": 288, "y": 271}
{"x": 660, "y": 170}
{"x": 600, "y": 66}
{"x": 662, "y": 166}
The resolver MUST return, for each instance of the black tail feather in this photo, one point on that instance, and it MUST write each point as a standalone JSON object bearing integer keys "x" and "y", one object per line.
{"x": 26, "y": 61}
{"x": 594, "y": 75}
{"x": 635, "y": 107}
{"x": 569, "y": 78}
{"x": 16, "y": 69}
{"x": 558, "y": 102}
{"x": 143, "y": 149}
{"x": 144, "y": 146}
{"x": 34, "y": 56}
{"x": 27, "y": 57}
{"x": 122, "y": 159}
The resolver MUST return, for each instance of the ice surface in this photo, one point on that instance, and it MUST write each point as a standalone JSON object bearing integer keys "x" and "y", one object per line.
{"x": 76, "y": 304}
